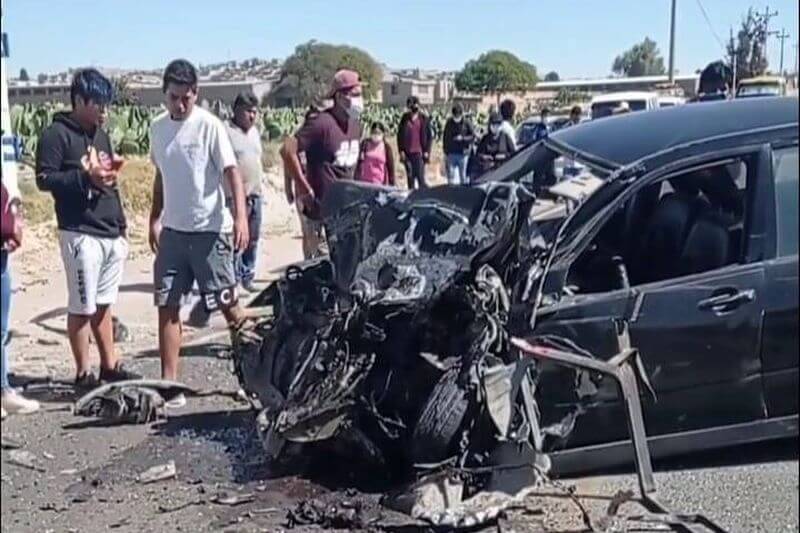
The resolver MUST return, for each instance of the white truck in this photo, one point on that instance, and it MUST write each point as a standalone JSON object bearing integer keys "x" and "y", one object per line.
{"x": 604, "y": 105}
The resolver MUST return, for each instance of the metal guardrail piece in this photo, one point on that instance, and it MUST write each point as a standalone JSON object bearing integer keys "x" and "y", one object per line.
{"x": 623, "y": 368}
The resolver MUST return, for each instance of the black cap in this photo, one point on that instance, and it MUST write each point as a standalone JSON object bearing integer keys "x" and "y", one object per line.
{"x": 245, "y": 99}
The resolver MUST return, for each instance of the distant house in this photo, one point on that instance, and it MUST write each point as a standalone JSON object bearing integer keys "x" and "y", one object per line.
{"x": 432, "y": 88}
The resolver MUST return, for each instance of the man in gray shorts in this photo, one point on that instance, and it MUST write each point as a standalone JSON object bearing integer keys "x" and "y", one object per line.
{"x": 191, "y": 229}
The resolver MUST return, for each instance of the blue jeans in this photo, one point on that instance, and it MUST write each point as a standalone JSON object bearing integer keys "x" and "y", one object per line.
{"x": 457, "y": 169}
{"x": 5, "y": 307}
{"x": 246, "y": 261}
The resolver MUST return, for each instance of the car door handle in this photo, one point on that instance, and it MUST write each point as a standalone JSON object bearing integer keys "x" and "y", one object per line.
{"x": 727, "y": 301}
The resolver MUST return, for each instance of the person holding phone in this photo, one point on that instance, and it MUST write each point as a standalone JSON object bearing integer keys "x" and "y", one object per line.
{"x": 75, "y": 162}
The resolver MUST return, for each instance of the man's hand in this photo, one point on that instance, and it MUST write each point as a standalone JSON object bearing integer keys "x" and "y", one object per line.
{"x": 155, "y": 235}
{"x": 101, "y": 177}
{"x": 402, "y": 157}
{"x": 426, "y": 158}
{"x": 241, "y": 232}
{"x": 289, "y": 196}
{"x": 458, "y": 138}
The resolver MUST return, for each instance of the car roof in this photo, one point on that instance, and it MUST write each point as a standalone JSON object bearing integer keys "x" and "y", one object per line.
{"x": 625, "y": 95}
{"x": 621, "y": 140}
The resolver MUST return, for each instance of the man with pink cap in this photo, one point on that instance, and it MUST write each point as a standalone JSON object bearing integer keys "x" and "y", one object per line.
{"x": 330, "y": 141}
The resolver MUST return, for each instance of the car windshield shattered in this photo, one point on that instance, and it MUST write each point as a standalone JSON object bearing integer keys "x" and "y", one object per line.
{"x": 395, "y": 350}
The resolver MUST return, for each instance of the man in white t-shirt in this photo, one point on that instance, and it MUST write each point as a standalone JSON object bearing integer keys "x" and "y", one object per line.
{"x": 192, "y": 231}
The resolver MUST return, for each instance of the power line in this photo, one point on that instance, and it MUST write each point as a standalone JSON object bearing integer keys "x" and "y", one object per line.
{"x": 710, "y": 26}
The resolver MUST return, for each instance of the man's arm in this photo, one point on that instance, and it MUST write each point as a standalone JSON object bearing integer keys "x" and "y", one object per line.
{"x": 155, "y": 211}
{"x": 49, "y": 176}
{"x": 290, "y": 154}
{"x": 389, "y": 164}
{"x": 288, "y": 186}
{"x": 241, "y": 232}
{"x": 470, "y": 136}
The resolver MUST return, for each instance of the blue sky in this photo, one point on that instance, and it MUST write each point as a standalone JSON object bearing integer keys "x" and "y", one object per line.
{"x": 577, "y": 38}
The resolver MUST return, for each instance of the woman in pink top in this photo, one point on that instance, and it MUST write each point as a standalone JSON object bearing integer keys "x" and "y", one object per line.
{"x": 375, "y": 160}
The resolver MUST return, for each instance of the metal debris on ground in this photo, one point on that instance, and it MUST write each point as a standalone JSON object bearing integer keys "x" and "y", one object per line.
{"x": 344, "y": 514}
{"x": 158, "y": 473}
{"x": 10, "y": 444}
{"x": 232, "y": 499}
{"x": 138, "y": 401}
{"x": 25, "y": 459}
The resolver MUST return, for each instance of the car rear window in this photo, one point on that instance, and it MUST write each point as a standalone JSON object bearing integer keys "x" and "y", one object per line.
{"x": 785, "y": 170}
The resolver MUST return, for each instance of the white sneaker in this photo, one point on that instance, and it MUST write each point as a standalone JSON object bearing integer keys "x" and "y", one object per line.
{"x": 15, "y": 403}
{"x": 177, "y": 402}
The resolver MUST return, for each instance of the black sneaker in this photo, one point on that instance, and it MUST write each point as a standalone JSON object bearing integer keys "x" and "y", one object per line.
{"x": 86, "y": 382}
{"x": 118, "y": 373}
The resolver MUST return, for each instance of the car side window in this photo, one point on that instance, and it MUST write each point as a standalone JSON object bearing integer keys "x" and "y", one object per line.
{"x": 687, "y": 223}
{"x": 785, "y": 171}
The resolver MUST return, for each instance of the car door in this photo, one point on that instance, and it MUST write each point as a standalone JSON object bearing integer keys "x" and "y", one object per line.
{"x": 780, "y": 353}
{"x": 699, "y": 339}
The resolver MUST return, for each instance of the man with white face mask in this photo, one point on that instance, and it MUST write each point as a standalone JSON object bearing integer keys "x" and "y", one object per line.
{"x": 496, "y": 146}
{"x": 331, "y": 144}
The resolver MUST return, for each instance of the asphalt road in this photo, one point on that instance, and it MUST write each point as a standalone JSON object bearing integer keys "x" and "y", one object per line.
{"x": 746, "y": 488}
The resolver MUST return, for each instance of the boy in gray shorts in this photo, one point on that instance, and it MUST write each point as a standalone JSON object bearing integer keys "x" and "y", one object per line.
{"x": 191, "y": 230}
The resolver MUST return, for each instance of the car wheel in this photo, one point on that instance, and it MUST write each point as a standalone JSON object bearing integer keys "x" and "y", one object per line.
{"x": 440, "y": 419}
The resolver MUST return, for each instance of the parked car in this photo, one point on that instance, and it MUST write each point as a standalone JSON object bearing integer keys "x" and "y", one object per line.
{"x": 603, "y": 105}
{"x": 694, "y": 236}
{"x": 761, "y": 86}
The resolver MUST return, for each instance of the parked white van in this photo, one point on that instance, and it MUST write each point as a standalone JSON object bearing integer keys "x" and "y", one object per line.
{"x": 603, "y": 105}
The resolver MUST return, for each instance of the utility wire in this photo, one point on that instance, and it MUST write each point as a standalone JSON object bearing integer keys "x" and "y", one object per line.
{"x": 710, "y": 26}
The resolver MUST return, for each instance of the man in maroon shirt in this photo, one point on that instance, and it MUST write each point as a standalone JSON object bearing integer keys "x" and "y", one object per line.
{"x": 330, "y": 141}
{"x": 414, "y": 143}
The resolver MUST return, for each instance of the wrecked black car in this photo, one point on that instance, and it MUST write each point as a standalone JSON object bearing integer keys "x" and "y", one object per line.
{"x": 678, "y": 226}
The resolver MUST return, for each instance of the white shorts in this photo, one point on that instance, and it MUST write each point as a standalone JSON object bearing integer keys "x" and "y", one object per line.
{"x": 94, "y": 270}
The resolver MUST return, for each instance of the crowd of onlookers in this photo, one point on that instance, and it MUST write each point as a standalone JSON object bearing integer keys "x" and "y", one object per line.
{"x": 207, "y": 201}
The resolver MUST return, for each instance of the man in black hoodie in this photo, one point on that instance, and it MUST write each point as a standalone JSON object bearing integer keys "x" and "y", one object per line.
{"x": 76, "y": 163}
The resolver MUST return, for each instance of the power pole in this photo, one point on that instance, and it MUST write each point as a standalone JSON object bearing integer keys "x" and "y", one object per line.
{"x": 672, "y": 44}
{"x": 767, "y": 15}
{"x": 782, "y": 36}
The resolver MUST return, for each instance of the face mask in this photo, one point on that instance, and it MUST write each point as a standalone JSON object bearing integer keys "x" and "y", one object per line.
{"x": 376, "y": 137}
{"x": 356, "y": 106}
{"x": 457, "y": 119}
{"x": 494, "y": 129}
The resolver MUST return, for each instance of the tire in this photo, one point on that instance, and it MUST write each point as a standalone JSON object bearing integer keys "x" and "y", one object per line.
{"x": 440, "y": 420}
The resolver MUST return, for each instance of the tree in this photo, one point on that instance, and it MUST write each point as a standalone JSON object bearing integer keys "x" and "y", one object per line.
{"x": 643, "y": 59}
{"x": 123, "y": 94}
{"x": 23, "y": 75}
{"x": 311, "y": 67}
{"x": 552, "y": 76}
{"x": 496, "y": 71}
{"x": 42, "y": 78}
{"x": 748, "y": 49}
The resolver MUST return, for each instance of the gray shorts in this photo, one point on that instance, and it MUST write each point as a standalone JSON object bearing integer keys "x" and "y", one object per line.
{"x": 184, "y": 258}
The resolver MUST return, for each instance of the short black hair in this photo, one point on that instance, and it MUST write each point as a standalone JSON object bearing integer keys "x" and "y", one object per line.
{"x": 377, "y": 125}
{"x": 576, "y": 109}
{"x": 412, "y": 100}
{"x": 545, "y": 111}
{"x": 90, "y": 85}
{"x": 507, "y": 109}
{"x": 457, "y": 109}
{"x": 180, "y": 72}
{"x": 245, "y": 99}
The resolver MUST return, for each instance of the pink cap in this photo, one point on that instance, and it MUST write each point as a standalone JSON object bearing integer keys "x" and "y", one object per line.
{"x": 344, "y": 80}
